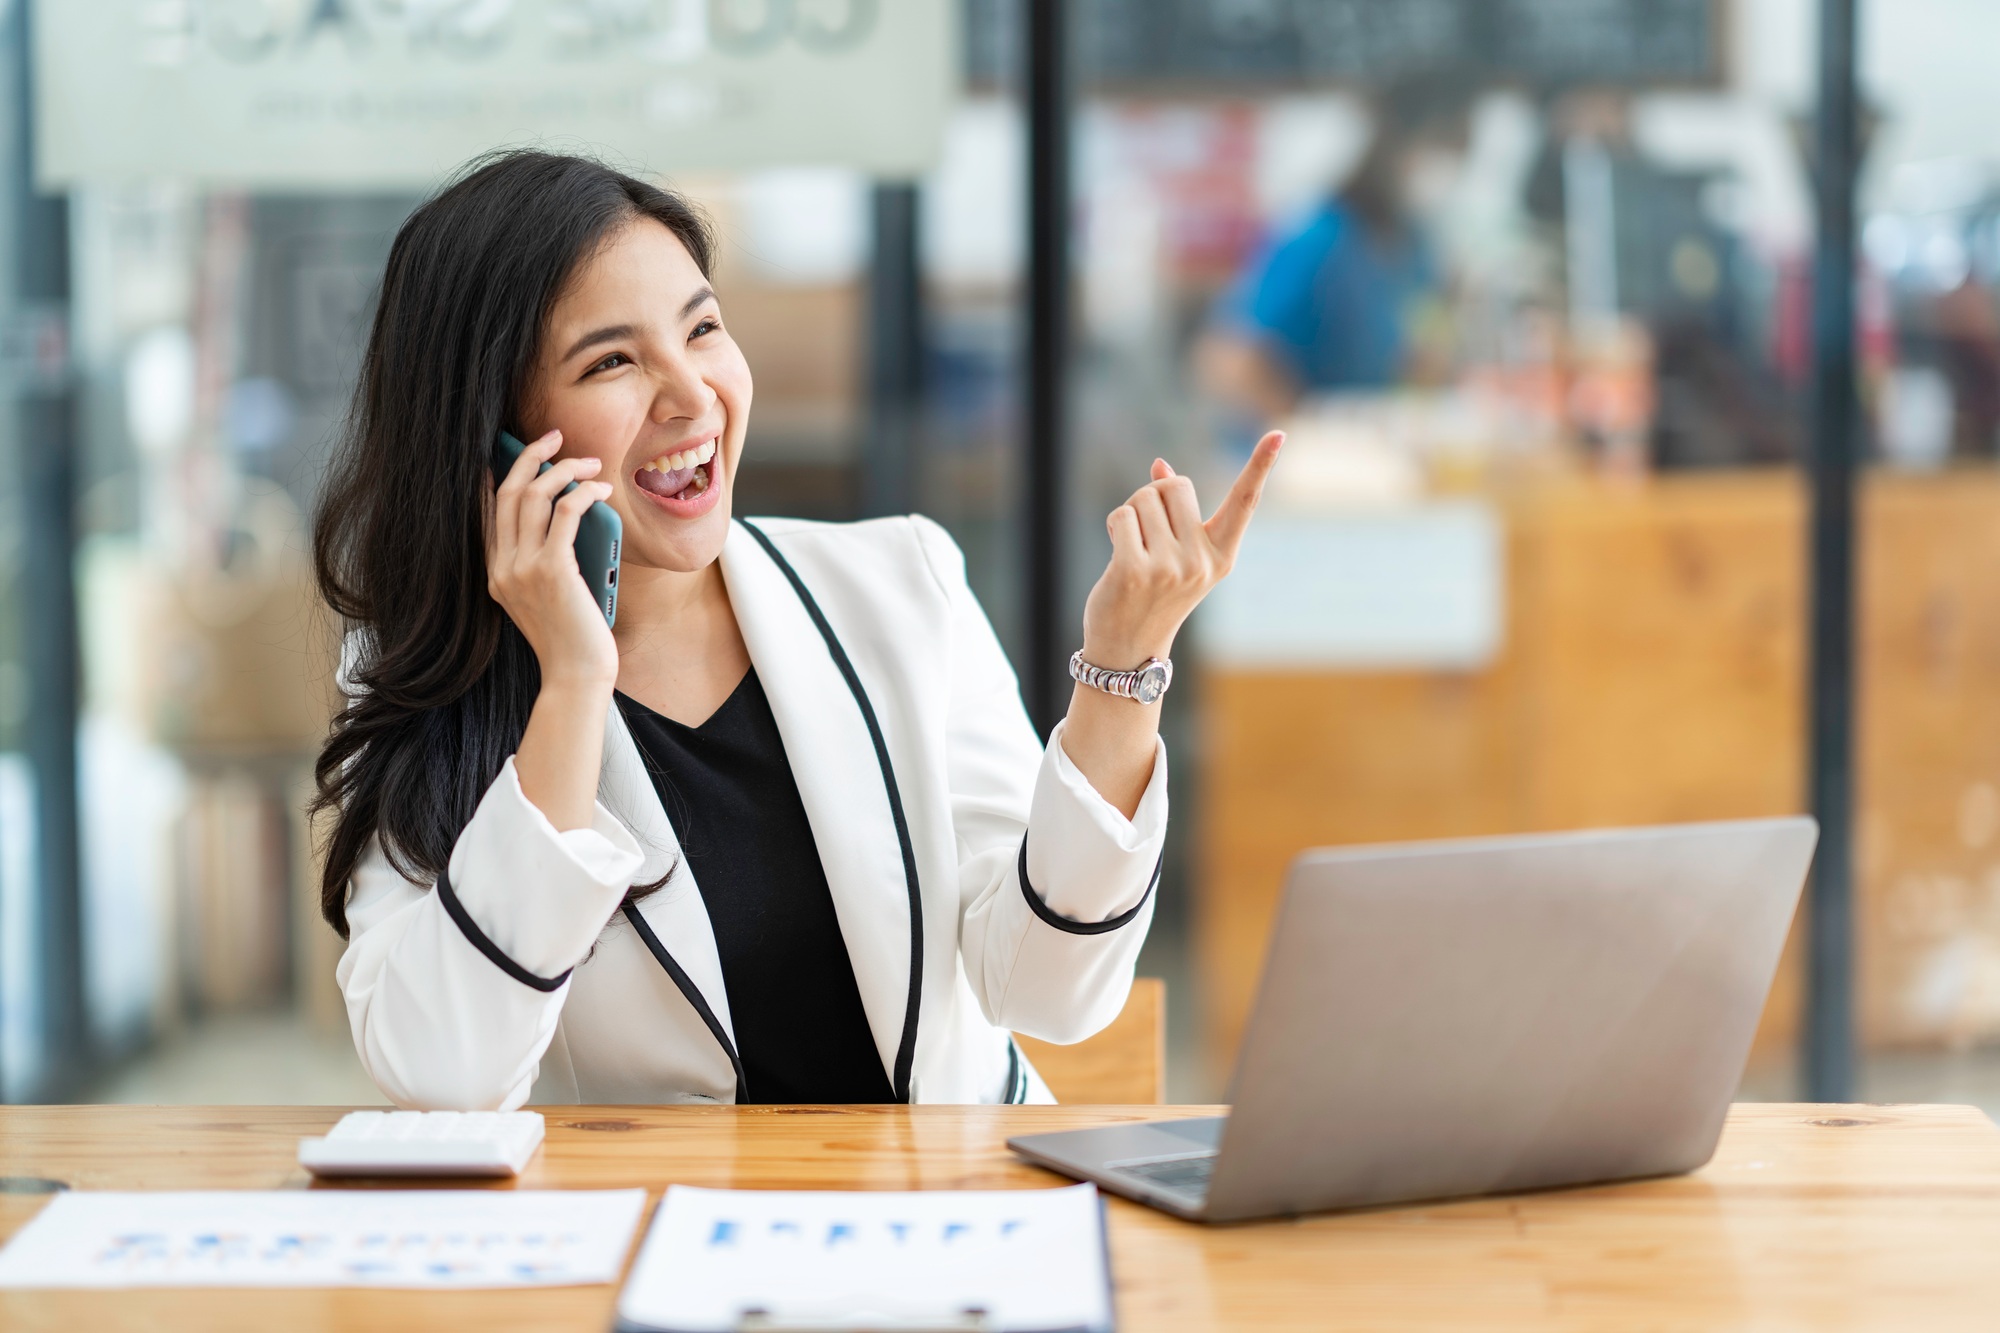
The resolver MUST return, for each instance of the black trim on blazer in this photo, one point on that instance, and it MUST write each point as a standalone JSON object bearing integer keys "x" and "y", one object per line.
{"x": 455, "y": 909}
{"x": 1063, "y": 923}
{"x": 693, "y": 995}
{"x": 906, "y": 1051}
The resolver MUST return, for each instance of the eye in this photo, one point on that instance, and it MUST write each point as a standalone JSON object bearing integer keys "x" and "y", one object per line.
{"x": 612, "y": 362}
{"x": 709, "y": 324}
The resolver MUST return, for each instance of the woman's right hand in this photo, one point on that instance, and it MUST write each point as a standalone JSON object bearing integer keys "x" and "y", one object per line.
{"x": 531, "y": 567}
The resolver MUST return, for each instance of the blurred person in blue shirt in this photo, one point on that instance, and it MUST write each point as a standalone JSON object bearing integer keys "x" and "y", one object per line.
{"x": 1327, "y": 302}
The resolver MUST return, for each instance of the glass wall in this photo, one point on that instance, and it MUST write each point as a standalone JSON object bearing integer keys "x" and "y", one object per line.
{"x": 1538, "y": 322}
{"x": 1524, "y": 284}
{"x": 24, "y": 980}
{"x": 1929, "y": 732}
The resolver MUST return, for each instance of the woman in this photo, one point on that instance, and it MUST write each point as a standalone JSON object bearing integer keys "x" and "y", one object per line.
{"x": 786, "y": 833}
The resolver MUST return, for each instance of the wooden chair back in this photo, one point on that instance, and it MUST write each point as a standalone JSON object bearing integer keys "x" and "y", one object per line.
{"x": 1124, "y": 1065}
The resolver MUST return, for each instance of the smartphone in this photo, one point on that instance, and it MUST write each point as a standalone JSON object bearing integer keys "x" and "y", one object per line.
{"x": 597, "y": 536}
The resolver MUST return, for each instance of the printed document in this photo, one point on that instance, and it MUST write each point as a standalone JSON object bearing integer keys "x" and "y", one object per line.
{"x": 325, "y": 1238}
{"x": 1003, "y": 1260}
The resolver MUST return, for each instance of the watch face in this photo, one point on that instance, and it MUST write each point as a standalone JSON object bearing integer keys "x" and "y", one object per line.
{"x": 1152, "y": 683}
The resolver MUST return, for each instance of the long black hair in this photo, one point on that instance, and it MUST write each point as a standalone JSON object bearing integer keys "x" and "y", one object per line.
{"x": 439, "y": 682}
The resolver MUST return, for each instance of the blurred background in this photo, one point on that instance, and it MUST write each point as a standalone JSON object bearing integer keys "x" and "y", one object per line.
{"x": 1529, "y": 282}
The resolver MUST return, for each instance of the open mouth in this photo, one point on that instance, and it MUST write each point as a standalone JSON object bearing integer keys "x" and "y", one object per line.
{"x": 681, "y": 479}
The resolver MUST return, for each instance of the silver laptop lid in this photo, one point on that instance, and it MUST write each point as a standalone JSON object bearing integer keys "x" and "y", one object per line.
{"x": 1511, "y": 1013}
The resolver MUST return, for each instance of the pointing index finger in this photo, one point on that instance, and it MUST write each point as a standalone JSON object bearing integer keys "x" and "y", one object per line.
{"x": 1232, "y": 517}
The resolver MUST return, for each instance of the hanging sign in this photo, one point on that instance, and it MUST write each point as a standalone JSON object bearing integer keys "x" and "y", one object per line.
{"x": 1252, "y": 45}
{"x": 392, "y": 94}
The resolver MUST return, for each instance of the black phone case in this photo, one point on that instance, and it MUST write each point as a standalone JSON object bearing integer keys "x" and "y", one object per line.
{"x": 597, "y": 536}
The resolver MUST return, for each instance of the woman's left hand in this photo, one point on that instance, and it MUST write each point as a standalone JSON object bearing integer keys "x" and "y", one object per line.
{"x": 1164, "y": 559}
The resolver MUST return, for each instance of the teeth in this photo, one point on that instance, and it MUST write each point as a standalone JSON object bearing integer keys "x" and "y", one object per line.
{"x": 687, "y": 458}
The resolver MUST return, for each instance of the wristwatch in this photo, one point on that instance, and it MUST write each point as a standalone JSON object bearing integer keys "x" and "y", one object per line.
{"x": 1144, "y": 683}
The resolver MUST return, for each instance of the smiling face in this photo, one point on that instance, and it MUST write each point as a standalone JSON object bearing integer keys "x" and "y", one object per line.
{"x": 637, "y": 370}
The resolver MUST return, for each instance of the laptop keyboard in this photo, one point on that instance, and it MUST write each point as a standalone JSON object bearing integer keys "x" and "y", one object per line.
{"x": 1184, "y": 1175}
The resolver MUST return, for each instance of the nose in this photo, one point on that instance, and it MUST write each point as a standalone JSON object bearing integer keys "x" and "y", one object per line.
{"x": 679, "y": 392}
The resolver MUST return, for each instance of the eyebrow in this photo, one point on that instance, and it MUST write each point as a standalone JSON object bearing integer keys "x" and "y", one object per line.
{"x": 609, "y": 334}
{"x": 695, "y": 302}
{"x": 614, "y": 332}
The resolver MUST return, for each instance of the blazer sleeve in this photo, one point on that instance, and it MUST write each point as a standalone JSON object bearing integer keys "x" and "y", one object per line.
{"x": 1056, "y": 886}
{"x": 454, "y": 990}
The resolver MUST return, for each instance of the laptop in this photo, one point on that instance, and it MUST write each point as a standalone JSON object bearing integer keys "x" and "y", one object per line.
{"x": 1480, "y": 1016}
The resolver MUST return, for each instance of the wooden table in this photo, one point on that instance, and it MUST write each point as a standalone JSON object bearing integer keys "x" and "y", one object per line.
{"x": 1809, "y": 1217}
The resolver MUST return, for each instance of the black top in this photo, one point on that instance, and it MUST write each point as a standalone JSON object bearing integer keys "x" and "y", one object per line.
{"x": 728, "y": 791}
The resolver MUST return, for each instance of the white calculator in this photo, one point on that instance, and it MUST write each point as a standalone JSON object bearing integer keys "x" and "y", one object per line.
{"x": 425, "y": 1143}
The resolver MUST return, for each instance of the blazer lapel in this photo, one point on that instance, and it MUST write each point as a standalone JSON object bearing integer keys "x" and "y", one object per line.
{"x": 839, "y": 780}
{"x": 674, "y": 912}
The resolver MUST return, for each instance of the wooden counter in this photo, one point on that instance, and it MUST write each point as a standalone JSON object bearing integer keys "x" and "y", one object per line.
{"x": 1809, "y": 1217}
{"x": 1653, "y": 671}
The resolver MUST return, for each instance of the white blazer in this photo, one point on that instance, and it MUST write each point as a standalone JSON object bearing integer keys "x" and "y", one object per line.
{"x": 981, "y": 884}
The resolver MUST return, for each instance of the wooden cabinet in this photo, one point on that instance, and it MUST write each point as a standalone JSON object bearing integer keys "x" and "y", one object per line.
{"x": 1929, "y": 753}
{"x": 1653, "y": 671}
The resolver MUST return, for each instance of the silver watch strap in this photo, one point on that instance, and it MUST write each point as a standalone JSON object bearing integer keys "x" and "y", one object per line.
{"x": 1150, "y": 678}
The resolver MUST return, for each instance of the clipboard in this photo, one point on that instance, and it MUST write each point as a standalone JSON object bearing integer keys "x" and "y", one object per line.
{"x": 771, "y": 1261}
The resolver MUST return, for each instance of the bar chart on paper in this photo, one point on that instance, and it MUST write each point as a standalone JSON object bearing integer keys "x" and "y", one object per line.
{"x": 373, "y": 1238}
